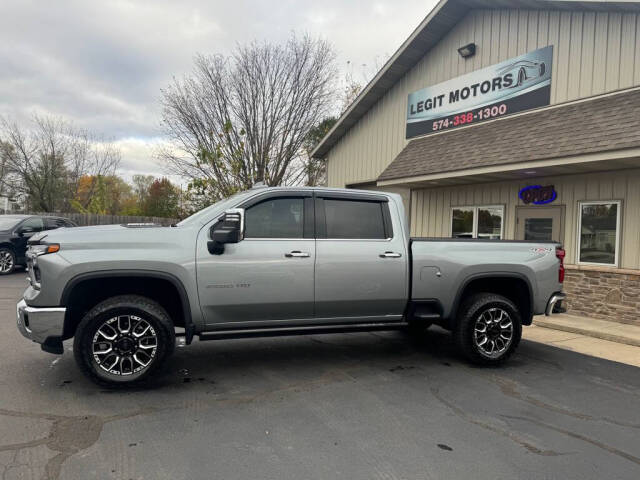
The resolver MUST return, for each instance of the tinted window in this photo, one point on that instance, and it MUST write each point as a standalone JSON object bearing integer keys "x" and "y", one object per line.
{"x": 354, "y": 219}
{"x": 275, "y": 218}
{"x": 53, "y": 223}
{"x": 33, "y": 224}
{"x": 462, "y": 223}
{"x": 7, "y": 223}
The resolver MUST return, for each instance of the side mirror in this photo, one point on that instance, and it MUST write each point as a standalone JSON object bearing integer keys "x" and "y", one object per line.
{"x": 228, "y": 229}
{"x": 23, "y": 230}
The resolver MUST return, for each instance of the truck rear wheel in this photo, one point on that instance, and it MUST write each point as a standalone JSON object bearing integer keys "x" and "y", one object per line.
{"x": 489, "y": 328}
{"x": 123, "y": 340}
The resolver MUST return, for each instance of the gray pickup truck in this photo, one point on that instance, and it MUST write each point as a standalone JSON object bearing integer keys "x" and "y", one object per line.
{"x": 276, "y": 261}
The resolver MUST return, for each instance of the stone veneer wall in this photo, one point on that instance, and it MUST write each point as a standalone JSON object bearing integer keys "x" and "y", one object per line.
{"x": 603, "y": 293}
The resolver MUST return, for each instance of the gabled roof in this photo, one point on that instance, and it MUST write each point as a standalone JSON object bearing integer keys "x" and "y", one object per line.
{"x": 436, "y": 25}
{"x": 600, "y": 124}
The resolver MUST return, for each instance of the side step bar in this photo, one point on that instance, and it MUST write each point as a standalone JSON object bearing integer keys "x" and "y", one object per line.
{"x": 308, "y": 330}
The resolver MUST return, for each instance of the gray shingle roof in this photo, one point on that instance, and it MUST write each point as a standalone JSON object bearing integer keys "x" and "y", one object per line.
{"x": 601, "y": 124}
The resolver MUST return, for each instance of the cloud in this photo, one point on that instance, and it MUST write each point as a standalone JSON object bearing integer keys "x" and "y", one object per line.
{"x": 102, "y": 64}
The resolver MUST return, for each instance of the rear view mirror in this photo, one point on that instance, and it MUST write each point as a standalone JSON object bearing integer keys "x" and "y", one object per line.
{"x": 24, "y": 230}
{"x": 229, "y": 229}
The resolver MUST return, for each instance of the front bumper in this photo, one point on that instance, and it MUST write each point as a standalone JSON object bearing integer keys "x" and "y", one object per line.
{"x": 555, "y": 299}
{"x": 40, "y": 324}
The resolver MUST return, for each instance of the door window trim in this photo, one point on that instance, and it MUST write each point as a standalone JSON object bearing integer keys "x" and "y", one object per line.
{"x": 616, "y": 263}
{"x": 308, "y": 213}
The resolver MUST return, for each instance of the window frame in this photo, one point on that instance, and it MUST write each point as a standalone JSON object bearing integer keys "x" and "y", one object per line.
{"x": 616, "y": 263}
{"x": 475, "y": 208}
{"x": 308, "y": 213}
{"x": 321, "y": 219}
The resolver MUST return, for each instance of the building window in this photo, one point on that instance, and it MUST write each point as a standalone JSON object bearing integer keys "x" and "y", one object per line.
{"x": 599, "y": 232}
{"x": 477, "y": 222}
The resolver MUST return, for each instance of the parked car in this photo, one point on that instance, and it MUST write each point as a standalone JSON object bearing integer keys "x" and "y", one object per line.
{"x": 15, "y": 231}
{"x": 277, "y": 261}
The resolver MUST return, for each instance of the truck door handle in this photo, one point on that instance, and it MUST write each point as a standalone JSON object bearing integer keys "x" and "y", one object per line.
{"x": 390, "y": 255}
{"x": 297, "y": 254}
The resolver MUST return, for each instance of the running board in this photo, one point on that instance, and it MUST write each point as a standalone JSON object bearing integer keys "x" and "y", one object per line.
{"x": 310, "y": 330}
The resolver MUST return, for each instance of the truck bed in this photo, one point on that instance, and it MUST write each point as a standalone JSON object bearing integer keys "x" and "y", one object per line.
{"x": 441, "y": 269}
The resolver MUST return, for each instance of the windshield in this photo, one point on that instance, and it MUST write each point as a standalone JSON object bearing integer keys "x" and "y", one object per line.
{"x": 7, "y": 223}
{"x": 206, "y": 214}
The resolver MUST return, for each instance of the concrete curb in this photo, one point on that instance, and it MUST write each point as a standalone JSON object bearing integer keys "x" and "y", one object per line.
{"x": 588, "y": 332}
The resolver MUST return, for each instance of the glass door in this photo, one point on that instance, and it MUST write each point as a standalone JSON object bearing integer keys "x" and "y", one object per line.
{"x": 539, "y": 224}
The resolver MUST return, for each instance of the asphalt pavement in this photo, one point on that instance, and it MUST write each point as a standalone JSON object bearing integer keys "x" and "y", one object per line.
{"x": 358, "y": 406}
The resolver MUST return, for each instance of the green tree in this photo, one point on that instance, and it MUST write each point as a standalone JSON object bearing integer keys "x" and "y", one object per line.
{"x": 162, "y": 199}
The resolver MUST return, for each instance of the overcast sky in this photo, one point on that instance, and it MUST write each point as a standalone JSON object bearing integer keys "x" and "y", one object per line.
{"x": 101, "y": 64}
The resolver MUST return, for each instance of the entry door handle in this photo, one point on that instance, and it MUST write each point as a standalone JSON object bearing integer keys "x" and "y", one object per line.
{"x": 390, "y": 255}
{"x": 297, "y": 254}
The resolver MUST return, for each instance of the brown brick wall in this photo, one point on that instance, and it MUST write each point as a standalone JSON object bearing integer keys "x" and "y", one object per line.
{"x": 603, "y": 295}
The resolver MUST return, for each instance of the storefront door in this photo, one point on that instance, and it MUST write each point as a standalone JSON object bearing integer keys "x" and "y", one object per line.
{"x": 539, "y": 223}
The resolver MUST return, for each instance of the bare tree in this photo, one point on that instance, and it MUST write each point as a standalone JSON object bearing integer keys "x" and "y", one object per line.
{"x": 244, "y": 119}
{"x": 48, "y": 159}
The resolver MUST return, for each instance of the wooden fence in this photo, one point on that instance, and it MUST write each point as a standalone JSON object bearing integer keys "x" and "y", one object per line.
{"x": 87, "y": 219}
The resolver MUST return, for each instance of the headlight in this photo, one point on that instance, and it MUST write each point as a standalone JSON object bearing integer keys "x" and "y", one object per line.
{"x": 37, "y": 250}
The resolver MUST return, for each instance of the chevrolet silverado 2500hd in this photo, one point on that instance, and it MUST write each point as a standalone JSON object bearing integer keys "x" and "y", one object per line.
{"x": 277, "y": 261}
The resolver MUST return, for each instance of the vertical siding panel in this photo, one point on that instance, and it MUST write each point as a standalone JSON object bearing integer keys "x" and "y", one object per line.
{"x": 412, "y": 215}
{"x": 575, "y": 53}
{"x": 446, "y": 209}
{"x": 543, "y": 29}
{"x": 612, "y": 74}
{"x": 588, "y": 51}
{"x": 477, "y": 38}
{"x": 504, "y": 35}
{"x": 636, "y": 75}
{"x": 564, "y": 44}
{"x": 554, "y": 32}
{"x": 628, "y": 49}
{"x": 485, "y": 49}
{"x": 495, "y": 36}
{"x": 523, "y": 31}
{"x": 600, "y": 66}
{"x": 631, "y": 222}
{"x": 568, "y": 199}
{"x": 532, "y": 31}
{"x": 513, "y": 32}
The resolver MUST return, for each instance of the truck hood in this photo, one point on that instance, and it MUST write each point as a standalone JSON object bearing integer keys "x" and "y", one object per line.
{"x": 112, "y": 236}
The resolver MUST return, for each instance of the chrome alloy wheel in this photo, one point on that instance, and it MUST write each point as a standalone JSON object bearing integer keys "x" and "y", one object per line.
{"x": 124, "y": 345}
{"x": 6, "y": 261}
{"x": 493, "y": 332}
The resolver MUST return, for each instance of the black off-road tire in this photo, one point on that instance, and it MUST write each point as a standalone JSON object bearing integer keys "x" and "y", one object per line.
{"x": 4, "y": 251}
{"x": 464, "y": 333}
{"x": 123, "y": 305}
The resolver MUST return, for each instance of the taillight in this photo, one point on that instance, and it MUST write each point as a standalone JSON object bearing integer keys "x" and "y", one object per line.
{"x": 560, "y": 253}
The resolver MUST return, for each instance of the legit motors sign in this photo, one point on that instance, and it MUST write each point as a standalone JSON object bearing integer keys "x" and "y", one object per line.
{"x": 514, "y": 85}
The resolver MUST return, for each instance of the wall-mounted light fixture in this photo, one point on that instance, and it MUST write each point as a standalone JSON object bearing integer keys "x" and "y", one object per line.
{"x": 467, "y": 51}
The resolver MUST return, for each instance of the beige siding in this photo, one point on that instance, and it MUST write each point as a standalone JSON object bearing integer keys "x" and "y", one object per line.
{"x": 431, "y": 208}
{"x": 593, "y": 53}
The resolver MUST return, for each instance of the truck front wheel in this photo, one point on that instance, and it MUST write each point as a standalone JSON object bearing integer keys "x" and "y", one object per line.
{"x": 123, "y": 340}
{"x": 489, "y": 328}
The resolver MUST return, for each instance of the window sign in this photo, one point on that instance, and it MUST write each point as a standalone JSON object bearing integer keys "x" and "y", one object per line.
{"x": 599, "y": 232}
{"x": 537, "y": 194}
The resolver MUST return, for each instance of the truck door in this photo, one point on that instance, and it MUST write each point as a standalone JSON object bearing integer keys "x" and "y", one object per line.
{"x": 361, "y": 258}
{"x": 267, "y": 276}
